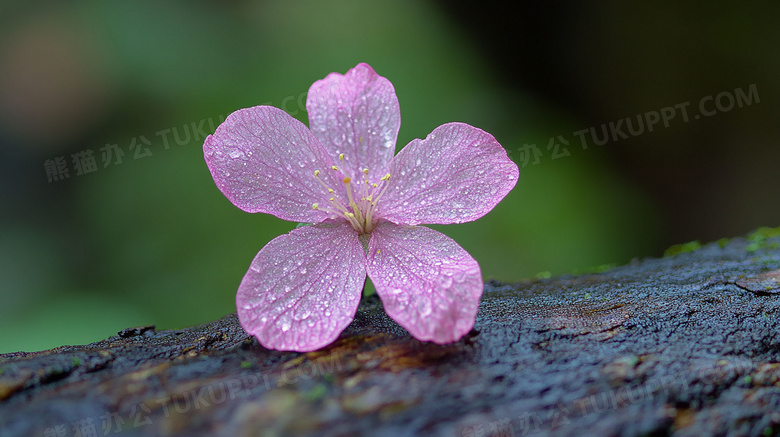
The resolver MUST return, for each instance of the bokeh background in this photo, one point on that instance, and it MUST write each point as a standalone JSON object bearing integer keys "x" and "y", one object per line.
{"x": 151, "y": 240}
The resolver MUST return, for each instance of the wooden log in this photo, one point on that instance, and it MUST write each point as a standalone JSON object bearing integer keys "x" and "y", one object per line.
{"x": 683, "y": 345}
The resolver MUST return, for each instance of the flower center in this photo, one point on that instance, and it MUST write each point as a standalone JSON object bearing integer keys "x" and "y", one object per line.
{"x": 362, "y": 195}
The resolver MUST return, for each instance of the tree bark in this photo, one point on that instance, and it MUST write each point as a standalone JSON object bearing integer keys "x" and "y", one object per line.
{"x": 682, "y": 345}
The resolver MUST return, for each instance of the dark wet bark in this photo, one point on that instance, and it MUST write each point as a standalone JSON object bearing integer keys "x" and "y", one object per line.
{"x": 683, "y": 345}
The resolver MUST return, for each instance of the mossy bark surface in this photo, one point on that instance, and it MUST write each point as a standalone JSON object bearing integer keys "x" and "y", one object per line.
{"x": 683, "y": 345}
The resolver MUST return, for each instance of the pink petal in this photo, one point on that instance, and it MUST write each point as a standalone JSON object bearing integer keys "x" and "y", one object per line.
{"x": 303, "y": 288}
{"x": 263, "y": 160}
{"x": 428, "y": 283}
{"x": 457, "y": 174}
{"x": 356, "y": 114}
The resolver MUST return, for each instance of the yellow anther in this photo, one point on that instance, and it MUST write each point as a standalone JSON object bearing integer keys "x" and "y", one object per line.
{"x": 315, "y": 206}
{"x": 347, "y": 180}
{"x": 341, "y": 157}
{"x": 369, "y": 198}
{"x": 379, "y": 251}
{"x": 385, "y": 177}
{"x": 350, "y": 215}
{"x": 365, "y": 171}
{"x": 360, "y": 139}
{"x": 316, "y": 173}
{"x": 330, "y": 190}
{"x": 334, "y": 167}
{"x": 374, "y": 185}
{"x": 332, "y": 199}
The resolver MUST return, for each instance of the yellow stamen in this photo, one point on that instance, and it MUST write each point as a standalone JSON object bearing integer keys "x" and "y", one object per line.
{"x": 369, "y": 216}
{"x": 334, "y": 167}
{"x": 341, "y": 157}
{"x": 347, "y": 180}
{"x": 315, "y": 206}
{"x": 316, "y": 176}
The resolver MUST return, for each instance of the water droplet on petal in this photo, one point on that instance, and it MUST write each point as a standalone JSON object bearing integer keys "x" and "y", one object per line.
{"x": 424, "y": 307}
{"x": 304, "y": 313}
{"x": 286, "y": 323}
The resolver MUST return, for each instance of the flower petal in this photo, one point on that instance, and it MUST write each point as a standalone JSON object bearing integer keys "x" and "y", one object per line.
{"x": 428, "y": 283}
{"x": 457, "y": 174}
{"x": 263, "y": 160}
{"x": 303, "y": 288}
{"x": 356, "y": 114}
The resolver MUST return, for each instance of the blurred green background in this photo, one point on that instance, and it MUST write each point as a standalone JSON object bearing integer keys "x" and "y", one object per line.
{"x": 151, "y": 240}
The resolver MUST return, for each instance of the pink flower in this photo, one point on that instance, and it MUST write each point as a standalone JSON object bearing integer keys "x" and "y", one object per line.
{"x": 303, "y": 288}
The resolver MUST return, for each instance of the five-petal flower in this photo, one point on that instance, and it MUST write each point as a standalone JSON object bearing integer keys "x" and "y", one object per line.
{"x": 303, "y": 288}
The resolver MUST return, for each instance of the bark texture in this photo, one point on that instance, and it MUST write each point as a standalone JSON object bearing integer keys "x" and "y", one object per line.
{"x": 683, "y": 345}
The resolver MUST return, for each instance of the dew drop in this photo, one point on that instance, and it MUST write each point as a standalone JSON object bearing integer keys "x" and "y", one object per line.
{"x": 424, "y": 307}
{"x": 303, "y": 314}
{"x": 286, "y": 323}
